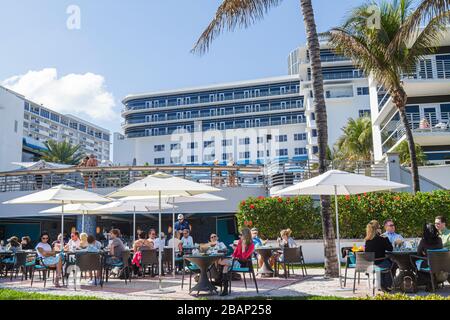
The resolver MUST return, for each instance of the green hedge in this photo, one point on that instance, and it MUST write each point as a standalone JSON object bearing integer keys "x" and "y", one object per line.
{"x": 302, "y": 214}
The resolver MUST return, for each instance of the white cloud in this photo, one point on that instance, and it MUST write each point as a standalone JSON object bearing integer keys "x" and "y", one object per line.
{"x": 78, "y": 94}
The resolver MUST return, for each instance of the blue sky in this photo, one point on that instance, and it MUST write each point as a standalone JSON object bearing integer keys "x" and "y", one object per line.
{"x": 137, "y": 46}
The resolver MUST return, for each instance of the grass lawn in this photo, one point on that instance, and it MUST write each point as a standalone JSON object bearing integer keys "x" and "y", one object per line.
{"x": 7, "y": 294}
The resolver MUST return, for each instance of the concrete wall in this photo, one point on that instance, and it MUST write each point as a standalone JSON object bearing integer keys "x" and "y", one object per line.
{"x": 11, "y": 129}
{"x": 438, "y": 174}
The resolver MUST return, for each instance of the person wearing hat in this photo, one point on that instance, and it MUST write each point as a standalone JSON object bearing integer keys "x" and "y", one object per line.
{"x": 182, "y": 224}
{"x": 13, "y": 244}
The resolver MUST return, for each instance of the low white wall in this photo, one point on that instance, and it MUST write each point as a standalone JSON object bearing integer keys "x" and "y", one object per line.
{"x": 438, "y": 174}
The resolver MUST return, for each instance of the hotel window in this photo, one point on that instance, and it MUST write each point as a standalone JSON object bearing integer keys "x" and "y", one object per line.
{"x": 27, "y": 106}
{"x": 244, "y": 155}
{"x": 282, "y": 90}
{"x": 260, "y": 140}
{"x": 16, "y": 125}
{"x": 314, "y": 132}
{"x": 209, "y": 157}
{"x": 300, "y": 151}
{"x": 64, "y": 121}
{"x": 187, "y": 100}
{"x": 260, "y": 154}
{"x": 282, "y": 152}
{"x": 299, "y": 103}
{"x": 159, "y": 148}
{"x": 192, "y": 159}
{"x": 159, "y": 161}
{"x": 175, "y": 160}
{"x": 208, "y": 144}
{"x": 227, "y": 156}
{"x": 192, "y": 145}
{"x": 212, "y": 97}
{"x": 299, "y": 136}
{"x": 226, "y": 143}
{"x": 244, "y": 141}
{"x": 281, "y": 138}
{"x": 364, "y": 113}
{"x": 221, "y": 96}
{"x": 246, "y": 94}
{"x": 45, "y": 113}
{"x": 148, "y": 104}
{"x": 155, "y": 104}
{"x": 362, "y": 91}
{"x": 180, "y": 101}
{"x": 74, "y": 125}
{"x": 315, "y": 149}
{"x": 283, "y": 105}
{"x": 257, "y": 92}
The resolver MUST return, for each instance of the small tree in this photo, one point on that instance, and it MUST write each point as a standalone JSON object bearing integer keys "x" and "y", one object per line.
{"x": 405, "y": 159}
{"x": 62, "y": 152}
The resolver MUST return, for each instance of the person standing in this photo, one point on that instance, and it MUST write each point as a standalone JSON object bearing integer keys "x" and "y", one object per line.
{"x": 182, "y": 224}
{"x": 84, "y": 175}
{"x": 441, "y": 224}
{"x": 92, "y": 162}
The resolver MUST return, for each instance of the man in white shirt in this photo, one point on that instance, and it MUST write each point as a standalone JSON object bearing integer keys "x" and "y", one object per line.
{"x": 74, "y": 242}
{"x": 177, "y": 241}
{"x": 187, "y": 239}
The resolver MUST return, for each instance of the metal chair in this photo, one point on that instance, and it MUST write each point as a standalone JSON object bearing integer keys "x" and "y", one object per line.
{"x": 292, "y": 257}
{"x": 149, "y": 258}
{"x": 365, "y": 263}
{"x": 192, "y": 269}
{"x": 90, "y": 261}
{"x": 40, "y": 266}
{"x": 438, "y": 263}
{"x": 123, "y": 265}
{"x": 247, "y": 267}
{"x": 350, "y": 261}
{"x": 167, "y": 259}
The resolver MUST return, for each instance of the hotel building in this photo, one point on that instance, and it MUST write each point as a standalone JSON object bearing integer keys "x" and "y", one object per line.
{"x": 248, "y": 122}
{"x": 35, "y": 124}
{"x": 428, "y": 108}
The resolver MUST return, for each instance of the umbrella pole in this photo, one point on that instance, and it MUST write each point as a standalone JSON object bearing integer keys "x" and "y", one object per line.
{"x": 159, "y": 247}
{"x": 62, "y": 226}
{"x": 82, "y": 221}
{"x": 338, "y": 235}
{"x": 134, "y": 224}
{"x": 173, "y": 237}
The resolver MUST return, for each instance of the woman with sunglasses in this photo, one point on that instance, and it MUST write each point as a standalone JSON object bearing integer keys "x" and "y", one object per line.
{"x": 49, "y": 257}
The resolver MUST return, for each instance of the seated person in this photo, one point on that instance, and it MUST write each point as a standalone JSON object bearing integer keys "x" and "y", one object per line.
{"x": 57, "y": 243}
{"x": 152, "y": 236}
{"x": 379, "y": 245}
{"x": 74, "y": 242}
{"x": 83, "y": 241}
{"x": 49, "y": 257}
{"x": 116, "y": 248}
{"x": 394, "y": 238}
{"x": 242, "y": 253}
{"x": 26, "y": 243}
{"x": 13, "y": 244}
{"x": 92, "y": 245}
{"x": 176, "y": 242}
{"x": 215, "y": 246}
{"x": 286, "y": 241}
{"x": 430, "y": 240}
{"x": 160, "y": 242}
{"x": 441, "y": 224}
{"x": 142, "y": 243}
{"x": 256, "y": 240}
{"x": 187, "y": 239}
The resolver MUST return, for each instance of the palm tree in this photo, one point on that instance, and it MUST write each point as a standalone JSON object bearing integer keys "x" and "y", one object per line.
{"x": 393, "y": 48}
{"x": 356, "y": 143}
{"x": 62, "y": 152}
{"x": 403, "y": 151}
{"x": 243, "y": 13}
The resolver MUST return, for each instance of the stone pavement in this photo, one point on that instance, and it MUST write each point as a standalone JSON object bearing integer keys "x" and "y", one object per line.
{"x": 146, "y": 289}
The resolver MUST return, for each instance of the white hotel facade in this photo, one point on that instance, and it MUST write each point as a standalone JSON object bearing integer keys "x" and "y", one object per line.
{"x": 26, "y": 125}
{"x": 247, "y": 122}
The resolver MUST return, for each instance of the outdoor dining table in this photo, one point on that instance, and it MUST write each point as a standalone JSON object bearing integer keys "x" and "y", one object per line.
{"x": 403, "y": 261}
{"x": 266, "y": 253}
{"x": 204, "y": 262}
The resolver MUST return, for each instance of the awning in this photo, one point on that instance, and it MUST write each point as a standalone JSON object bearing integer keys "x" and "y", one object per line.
{"x": 34, "y": 144}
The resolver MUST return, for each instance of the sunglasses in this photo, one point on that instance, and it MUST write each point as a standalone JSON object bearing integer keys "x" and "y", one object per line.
{"x": 44, "y": 238}
{"x": 213, "y": 237}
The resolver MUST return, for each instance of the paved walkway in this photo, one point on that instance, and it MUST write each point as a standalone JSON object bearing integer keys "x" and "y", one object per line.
{"x": 146, "y": 289}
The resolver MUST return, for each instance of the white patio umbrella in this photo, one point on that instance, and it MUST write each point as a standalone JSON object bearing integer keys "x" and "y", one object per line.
{"x": 205, "y": 197}
{"x": 336, "y": 183}
{"x": 126, "y": 206}
{"x": 61, "y": 194}
{"x": 162, "y": 184}
{"x": 78, "y": 208}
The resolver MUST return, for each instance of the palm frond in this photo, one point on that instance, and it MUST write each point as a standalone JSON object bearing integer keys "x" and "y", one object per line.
{"x": 426, "y": 11}
{"x": 232, "y": 14}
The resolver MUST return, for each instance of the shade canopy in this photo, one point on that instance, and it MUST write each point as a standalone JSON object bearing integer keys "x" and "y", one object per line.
{"x": 41, "y": 165}
{"x": 59, "y": 194}
{"x": 122, "y": 206}
{"x": 204, "y": 197}
{"x": 77, "y": 208}
{"x": 165, "y": 185}
{"x": 340, "y": 183}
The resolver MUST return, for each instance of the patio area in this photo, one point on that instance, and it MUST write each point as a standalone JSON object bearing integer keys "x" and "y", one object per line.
{"x": 144, "y": 289}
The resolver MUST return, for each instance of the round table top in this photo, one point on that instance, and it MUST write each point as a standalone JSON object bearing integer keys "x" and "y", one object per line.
{"x": 406, "y": 252}
{"x": 267, "y": 248}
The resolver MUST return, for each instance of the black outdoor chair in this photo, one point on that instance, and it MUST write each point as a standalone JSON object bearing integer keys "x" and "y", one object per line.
{"x": 246, "y": 267}
{"x": 149, "y": 259}
{"x": 291, "y": 258}
{"x": 192, "y": 269}
{"x": 18, "y": 262}
{"x": 365, "y": 263}
{"x": 438, "y": 268}
{"x": 44, "y": 271}
{"x": 167, "y": 259}
{"x": 123, "y": 264}
{"x": 90, "y": 261}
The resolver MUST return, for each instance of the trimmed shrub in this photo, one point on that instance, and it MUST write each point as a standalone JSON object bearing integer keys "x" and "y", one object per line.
{"x": 302, "y": 214}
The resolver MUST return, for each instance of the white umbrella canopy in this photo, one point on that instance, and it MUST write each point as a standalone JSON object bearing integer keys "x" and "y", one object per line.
{"x": 335, "y": 182}
{"x": 76, "y": 208}
{"x": 161, "y": 184}
{"x": 340, "y": 183}
{"x": 61, "y": 194}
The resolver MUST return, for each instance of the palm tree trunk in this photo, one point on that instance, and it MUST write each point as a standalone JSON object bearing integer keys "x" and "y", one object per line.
{"x": 331, "y": 261}
{"x": 399, "y": 98}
